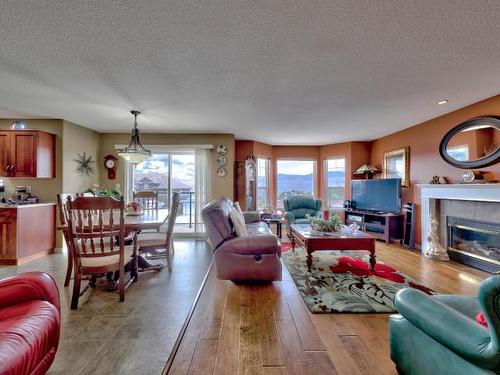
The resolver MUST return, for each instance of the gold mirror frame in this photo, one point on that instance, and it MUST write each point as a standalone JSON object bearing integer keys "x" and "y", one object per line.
{"x": 405, "y": 153}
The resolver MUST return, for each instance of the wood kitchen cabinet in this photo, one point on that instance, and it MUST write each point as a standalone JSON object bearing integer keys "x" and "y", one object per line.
{"x": 27, "y": 232}
{"x": 27, "y": 153}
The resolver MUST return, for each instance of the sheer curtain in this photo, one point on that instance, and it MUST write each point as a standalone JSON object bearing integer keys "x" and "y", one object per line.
{"x": 202, "y": 187}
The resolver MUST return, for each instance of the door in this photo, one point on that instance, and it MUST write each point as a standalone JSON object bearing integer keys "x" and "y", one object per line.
{"x": 23, "y": 154}
{"x": 168, "y": 172}
{"x": 4, "y": 154}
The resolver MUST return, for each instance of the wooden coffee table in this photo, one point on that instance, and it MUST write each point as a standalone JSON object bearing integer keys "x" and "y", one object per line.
{"x": 302, "y": 236}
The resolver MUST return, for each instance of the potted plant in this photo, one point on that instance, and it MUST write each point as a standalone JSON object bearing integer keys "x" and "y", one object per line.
{"x": 333, "y": 224}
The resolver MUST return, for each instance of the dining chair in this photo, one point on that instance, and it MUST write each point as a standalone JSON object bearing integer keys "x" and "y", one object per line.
{"x": 147, "y": 199}
{"x": 160, "y": 245}
{"x": 63, "y": 226}
{"x": 97, "y": 230}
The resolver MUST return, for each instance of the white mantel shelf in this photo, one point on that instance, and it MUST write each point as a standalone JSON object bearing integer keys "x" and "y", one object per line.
{"x": 469, "y": 192}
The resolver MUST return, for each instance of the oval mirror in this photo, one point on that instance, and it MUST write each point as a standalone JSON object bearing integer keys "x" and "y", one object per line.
{"x": 474, "y": 143}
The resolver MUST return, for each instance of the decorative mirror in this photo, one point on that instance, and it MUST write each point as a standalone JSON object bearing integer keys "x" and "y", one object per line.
{"x": 474, "y": 143}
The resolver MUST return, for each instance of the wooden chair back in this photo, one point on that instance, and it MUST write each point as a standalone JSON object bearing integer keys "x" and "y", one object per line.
{"x": 63, "y": 209}
{"x": 64, "y": 227}
{"x": 147, "y": 199}
{"x": 172, "y": 215}
{"x": 95, "y": 224}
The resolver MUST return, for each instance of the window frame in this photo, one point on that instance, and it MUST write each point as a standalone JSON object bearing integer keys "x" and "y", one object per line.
{"x": 326, "y": 170}
{"x": 314, "y": 181}
{"x": 267, "y": 183}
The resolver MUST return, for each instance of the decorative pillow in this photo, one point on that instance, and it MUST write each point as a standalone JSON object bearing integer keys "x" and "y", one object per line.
{"x": 238, "y": 223}
{"x": 481, "y": 319}
{"x": 238, "y": 208}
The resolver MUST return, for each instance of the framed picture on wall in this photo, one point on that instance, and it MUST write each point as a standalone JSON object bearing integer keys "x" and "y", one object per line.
{"x": 396, "y": 165}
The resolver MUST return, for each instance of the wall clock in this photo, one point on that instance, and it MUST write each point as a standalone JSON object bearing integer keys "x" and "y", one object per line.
{"x": 110, "y": 162}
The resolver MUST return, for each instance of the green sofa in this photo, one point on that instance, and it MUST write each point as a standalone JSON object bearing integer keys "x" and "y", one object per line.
{"x": 297, "y": 207}
{"x": 439, "y": 335}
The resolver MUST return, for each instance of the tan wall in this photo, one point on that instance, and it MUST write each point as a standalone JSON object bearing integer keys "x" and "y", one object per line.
{"x": 220, "y": 186}
{"x": 77, "y": 140}
{"x": 45, "y": 188}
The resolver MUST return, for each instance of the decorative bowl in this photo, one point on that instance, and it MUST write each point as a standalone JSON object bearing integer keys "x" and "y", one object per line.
{"x": 134, "y": 209}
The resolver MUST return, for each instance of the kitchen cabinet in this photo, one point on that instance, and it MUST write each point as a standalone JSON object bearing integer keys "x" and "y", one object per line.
{"x": 27, "y": 153}
{"x": 27, "y": 232}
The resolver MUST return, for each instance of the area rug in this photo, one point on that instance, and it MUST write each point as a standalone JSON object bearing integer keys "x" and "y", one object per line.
{"x": 341, "y": 281}
{"x": 286, "y": 247}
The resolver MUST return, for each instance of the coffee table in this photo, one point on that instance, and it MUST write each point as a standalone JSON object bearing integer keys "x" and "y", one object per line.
{"x": 302, "y": 236}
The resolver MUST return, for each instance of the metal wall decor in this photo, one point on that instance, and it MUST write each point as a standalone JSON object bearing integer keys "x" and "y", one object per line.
{"x": 85, "y": 165}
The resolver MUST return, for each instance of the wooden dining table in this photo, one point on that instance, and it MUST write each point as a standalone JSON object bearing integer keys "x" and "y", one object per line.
{"x": 149, "y": 219}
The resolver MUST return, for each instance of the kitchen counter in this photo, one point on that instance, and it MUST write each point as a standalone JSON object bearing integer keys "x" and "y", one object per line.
{"x": 6, "y": 205}
{"x": 27, "y": 232}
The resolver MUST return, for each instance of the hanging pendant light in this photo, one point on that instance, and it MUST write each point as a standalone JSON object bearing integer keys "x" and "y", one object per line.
{"x": 135, "y": 153}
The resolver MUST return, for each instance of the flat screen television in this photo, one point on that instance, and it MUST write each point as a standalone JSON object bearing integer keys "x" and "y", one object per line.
{"x": 377, "y": 195}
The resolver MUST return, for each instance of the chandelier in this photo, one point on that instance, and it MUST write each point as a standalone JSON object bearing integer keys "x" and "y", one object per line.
{"x": 135, "y": 153}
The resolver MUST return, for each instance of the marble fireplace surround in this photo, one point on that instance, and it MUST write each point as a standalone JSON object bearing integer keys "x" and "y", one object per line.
{"x": 472, "y": 201}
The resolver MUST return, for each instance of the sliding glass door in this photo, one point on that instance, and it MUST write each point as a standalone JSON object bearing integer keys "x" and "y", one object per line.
{"x": 167, "y": 172}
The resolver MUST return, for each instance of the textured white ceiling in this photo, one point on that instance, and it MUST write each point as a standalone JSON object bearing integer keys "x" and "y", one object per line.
{"x": 279, "y": 71}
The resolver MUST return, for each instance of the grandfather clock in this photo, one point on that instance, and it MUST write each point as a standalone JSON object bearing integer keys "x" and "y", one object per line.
{"x": 246, "y": 183}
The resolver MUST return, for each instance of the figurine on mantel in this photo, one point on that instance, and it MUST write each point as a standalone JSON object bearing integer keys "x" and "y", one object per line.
{"x": 435, "y": 251}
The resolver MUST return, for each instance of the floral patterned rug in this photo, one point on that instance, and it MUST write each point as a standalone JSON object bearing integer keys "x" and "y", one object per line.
{"x": 341, "y": 281}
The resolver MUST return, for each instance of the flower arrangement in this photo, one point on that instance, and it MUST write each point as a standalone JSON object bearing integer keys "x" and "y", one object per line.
{"x": 333, "y": 224}
{"x": 100, "y": 192}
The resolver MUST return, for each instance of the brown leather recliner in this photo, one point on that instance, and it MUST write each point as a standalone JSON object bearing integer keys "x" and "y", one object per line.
{"x": 254, "y": 257}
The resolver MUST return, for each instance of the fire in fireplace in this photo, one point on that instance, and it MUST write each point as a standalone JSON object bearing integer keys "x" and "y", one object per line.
{"x": 475, "y": 243}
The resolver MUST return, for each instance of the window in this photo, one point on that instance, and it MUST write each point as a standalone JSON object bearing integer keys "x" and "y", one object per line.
{"x": 294, "y": 177}
{"x": 335, "y": 182}
{"x": 262, "y": 183}
{"x": 166, "y": 173}
{"x": 459, "y": 152}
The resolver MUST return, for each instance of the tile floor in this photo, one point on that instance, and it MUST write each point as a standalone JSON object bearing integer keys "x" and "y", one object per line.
{"x": 105, "y": 336}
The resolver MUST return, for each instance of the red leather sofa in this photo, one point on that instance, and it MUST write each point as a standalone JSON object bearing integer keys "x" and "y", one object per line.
{"x": 29, "y": 323}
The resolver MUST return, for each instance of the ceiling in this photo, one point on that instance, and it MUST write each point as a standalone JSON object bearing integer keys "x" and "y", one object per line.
{"x": 282, "y": 72}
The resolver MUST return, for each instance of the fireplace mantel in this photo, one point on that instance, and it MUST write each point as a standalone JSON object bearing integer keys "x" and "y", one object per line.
{"x": 470, "y": 192}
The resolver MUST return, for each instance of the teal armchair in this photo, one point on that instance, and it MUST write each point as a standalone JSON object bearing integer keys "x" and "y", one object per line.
{"x": 439, "y": 335}
{"x": 297, "y": 207}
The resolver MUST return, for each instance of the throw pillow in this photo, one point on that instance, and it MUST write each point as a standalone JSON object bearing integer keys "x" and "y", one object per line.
{"x": 238, "y": 223}
{"x": 481, "y": 319}
{"x": 238, "y": 208}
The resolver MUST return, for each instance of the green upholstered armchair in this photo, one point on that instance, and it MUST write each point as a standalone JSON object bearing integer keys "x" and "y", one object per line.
{"x": 297, "y": 207}
{"x": 439, "y": 335}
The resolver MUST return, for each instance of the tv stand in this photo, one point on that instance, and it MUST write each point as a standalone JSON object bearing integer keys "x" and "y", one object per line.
{"x": 386, "y": 226}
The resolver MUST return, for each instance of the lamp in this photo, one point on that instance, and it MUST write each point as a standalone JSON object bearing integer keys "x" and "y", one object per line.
{"x": 135, "y": 153}
{"x": 368, "y": 170}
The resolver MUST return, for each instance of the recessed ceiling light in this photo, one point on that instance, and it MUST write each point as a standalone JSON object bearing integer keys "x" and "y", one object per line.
{"x": 441, "y": 102}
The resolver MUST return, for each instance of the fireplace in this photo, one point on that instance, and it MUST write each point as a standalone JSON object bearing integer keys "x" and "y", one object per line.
{"x": 475, "y": 243}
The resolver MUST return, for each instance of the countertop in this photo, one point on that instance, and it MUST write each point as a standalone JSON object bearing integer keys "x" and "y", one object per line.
{"x": 5, "y": 205}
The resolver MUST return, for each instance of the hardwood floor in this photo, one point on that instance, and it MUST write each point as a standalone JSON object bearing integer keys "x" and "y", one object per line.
{"x": 267, "y": 329}
{"x": 105, "y": 336}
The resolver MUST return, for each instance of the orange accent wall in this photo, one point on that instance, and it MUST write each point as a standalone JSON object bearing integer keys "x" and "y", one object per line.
{"x": 355, "y": 153}
{"x": 423, "y": 140}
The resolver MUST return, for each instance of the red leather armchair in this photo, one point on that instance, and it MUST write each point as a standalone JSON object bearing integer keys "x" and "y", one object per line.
{"x": 29, "y": 323}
